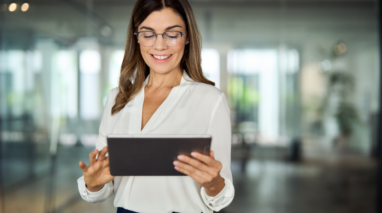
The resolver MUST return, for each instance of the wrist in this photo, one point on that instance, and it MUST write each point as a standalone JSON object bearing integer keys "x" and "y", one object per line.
{"x": 216, "y": 188}
{"x": 94, "y": 188}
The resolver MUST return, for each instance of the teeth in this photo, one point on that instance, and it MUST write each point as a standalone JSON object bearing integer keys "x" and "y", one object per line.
{"x": 161, "y": 57}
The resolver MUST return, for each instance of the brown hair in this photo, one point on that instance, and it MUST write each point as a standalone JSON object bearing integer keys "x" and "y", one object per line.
{"x": 134, "y": 70}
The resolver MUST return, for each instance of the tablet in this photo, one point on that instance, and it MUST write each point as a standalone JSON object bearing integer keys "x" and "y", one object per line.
{"x": 152, "y": 155}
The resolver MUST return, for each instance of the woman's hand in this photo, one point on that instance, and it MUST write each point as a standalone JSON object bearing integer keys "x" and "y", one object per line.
{"x": 98, "y": 172}
{"x": 203, "y": 169}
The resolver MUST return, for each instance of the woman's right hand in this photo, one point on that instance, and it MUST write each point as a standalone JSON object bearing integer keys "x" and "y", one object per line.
{"x": 97, "y": 174}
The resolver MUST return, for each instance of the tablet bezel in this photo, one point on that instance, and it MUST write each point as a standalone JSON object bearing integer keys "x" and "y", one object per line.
{"x": 163, "y": 148}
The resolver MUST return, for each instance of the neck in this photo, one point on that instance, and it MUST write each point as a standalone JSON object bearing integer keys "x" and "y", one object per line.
{"x": 170, "y": 79}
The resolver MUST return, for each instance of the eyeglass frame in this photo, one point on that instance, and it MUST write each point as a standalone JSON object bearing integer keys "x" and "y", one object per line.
{"x": 156, "y": 36}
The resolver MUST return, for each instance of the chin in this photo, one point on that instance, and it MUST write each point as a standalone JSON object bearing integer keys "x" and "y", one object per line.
{"x": 162, "y": 69}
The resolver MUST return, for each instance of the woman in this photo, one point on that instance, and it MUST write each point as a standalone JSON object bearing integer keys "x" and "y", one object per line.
{"x": 162, "y": 90}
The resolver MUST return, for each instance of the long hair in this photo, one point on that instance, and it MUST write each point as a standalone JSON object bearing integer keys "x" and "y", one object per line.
{"x": 134, "y": 70}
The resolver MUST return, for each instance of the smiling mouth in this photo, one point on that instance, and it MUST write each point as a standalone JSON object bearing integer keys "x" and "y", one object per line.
{"x": 161, "y": 57}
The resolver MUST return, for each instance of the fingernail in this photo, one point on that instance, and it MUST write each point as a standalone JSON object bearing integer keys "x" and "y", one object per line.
{"x": 180, "y": 157}
{"x": 176, "y": 163}
{"x": 194, "y": 154}
{"x": 176, "y": 168}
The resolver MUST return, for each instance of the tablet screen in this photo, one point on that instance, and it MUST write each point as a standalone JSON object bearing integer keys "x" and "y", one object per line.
{"x": 152, "y": 155}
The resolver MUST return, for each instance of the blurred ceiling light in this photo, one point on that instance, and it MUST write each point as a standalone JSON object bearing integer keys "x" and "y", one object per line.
{"x": 3, "y": 7}
{"x": 24, "y": 7}
{"x": 326, "y": 65}
{"x": 340, "y": 49}
{"x": 12, "y": 7}
{"x": 106, "y": 31}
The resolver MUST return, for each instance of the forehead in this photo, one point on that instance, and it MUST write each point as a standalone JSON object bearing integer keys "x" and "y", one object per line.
{"x": 160, "y": 20}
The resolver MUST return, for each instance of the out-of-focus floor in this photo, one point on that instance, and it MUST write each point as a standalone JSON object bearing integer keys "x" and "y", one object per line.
{"x": 275, "y": 187}
{"x": 267, "y": 186}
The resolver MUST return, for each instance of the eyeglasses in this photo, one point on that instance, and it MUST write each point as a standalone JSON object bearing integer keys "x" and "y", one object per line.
{"x": 170, "y": 38}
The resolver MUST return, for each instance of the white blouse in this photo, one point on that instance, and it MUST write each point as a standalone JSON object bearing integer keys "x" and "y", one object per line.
{"x": 191, "y": 108}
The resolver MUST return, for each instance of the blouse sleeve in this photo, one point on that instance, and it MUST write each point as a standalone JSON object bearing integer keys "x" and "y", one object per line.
{"x": 108, "y": 188}
{"x": 220, "y": 129}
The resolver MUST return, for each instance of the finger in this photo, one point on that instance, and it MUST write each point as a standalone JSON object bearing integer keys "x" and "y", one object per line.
{"x": 197, "y": 178}
{"x": 212, "y": 154}
{"x": 210, "y": 162}
{"x": 204, "y": 158}
{"x": 82, "y": 166}
{"x": 192, "y": 170}
{"x": 106, "y": 162}
{"x": 92, "y": 156}
{"x": 194, "y": 162}
{"x": 101, "y": 155}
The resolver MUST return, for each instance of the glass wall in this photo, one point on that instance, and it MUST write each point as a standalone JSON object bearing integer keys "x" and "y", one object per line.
{"x": 301, "y": 80}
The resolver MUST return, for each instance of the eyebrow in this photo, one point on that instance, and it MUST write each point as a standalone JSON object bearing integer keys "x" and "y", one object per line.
{"x": 168, "y": 28}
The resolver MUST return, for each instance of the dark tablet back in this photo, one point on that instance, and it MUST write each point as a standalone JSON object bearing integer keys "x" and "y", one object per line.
{"x": 151, "y": 156}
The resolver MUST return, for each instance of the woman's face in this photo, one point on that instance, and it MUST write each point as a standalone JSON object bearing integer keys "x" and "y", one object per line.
{"x": 160, "y": 57}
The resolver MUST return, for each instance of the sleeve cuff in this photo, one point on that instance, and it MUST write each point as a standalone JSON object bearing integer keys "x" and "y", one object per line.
{"x": 221, "y": 193}
{"x": 85, "y": 192}
{"x": 221, "y": 200}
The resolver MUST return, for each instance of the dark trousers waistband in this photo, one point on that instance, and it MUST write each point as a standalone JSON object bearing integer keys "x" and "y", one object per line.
{"x": 122, "y": 210}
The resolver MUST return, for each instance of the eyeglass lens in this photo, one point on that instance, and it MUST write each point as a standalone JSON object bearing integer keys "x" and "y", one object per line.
{"x": 170, "y": 38}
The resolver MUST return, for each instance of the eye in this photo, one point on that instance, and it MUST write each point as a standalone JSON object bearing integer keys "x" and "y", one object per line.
{"x": 148, "y": 35}
{"x": 172, "y": 35}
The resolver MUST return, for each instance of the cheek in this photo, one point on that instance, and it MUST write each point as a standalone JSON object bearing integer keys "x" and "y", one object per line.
{"x": 144, "y": 53}
{"x": 144, "y": 50}
{"x": 179, "y": 51}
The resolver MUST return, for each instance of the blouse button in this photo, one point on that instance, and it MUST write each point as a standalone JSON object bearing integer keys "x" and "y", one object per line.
{"x": 211, "y": 204}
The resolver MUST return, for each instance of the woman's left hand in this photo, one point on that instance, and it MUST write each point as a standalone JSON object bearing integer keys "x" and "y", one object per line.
{"x": 203, "y": 169}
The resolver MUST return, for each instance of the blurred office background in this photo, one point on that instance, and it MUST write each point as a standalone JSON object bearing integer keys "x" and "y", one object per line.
{"x": 301, "y": 79}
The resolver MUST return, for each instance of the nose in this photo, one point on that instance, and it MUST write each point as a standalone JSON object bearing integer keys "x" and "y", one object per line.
{"x": 159, "y": 43}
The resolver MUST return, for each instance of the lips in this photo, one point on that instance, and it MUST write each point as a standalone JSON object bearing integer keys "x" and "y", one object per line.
{"x": 161, "y": 58}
